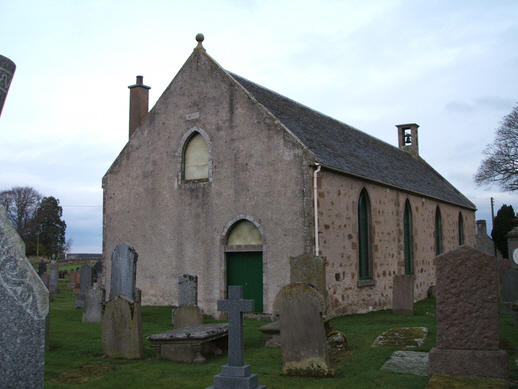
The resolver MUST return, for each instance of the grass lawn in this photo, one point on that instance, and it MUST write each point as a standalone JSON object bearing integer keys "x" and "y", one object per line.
{"x": 76, "y": 356}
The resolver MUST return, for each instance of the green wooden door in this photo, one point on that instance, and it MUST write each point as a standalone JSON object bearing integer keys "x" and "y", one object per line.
{"x": 246, "y": 269}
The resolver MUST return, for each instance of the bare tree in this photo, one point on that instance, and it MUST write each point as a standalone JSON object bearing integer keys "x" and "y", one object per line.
{"x": 21, "y": 204}
{"x": 501, "y": 163}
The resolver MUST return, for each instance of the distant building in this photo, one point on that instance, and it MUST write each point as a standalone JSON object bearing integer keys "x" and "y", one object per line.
{"x": 218, "y": 180}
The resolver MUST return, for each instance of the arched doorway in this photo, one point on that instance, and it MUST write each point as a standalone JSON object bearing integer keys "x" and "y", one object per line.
{"x": 244, "y": 257}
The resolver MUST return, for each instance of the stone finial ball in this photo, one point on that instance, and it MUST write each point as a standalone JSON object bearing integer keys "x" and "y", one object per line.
{"x": 200, "y": 38}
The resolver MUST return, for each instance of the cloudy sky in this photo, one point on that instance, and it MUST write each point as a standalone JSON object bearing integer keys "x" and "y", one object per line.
{"x": 449, "y": 66}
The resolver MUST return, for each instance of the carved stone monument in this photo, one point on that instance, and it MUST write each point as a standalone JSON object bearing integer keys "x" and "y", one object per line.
{"x": 236, "y": 374}
{"x": 7, "y": 69}
{"x": 93, "y": 303}
{"x": 24, "y": 305}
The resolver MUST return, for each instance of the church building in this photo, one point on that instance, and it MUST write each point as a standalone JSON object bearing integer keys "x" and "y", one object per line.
{"x": 226, "y": 180}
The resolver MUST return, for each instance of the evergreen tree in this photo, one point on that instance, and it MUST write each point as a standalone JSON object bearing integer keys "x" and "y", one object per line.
{"x": 48, "y": 228}
{"x": 505, "y": 220}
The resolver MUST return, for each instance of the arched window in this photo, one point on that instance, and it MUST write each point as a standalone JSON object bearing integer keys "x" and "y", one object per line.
{"x": 438, "y": 232}
{"x": 364, "y": 235}
{"x": 244, "y": 233}
{"x": 461, "y": 229}
{"x": 196, "y": 158}
{"x": 408, "y": 233}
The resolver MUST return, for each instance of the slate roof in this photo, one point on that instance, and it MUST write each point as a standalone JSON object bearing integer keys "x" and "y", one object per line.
{"x": 340, "y": 146}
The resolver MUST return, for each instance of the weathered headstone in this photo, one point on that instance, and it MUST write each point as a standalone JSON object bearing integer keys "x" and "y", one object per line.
{"x": 24, "y": 305}
{"x": 124, "y": 272}
{"x": 87, "y": 279}
{"x": 7, "y": 69}
{"x": 121, "y": 316}
{"x": 403, "y": 294}
{"x": 77, "y": 287}
{"x": 236, "y": 374}
{"x": 71, "y": 279}
{"x": 93, "y": 304}
{"x": 61, "y": 275}
{"x": 467, "y": 316}
{"x": 509, "y": 289}
{"x": 98, "y": 269}
{"x": 186, "y": 316}
{"x": 310, "y": 269}
{"x": 187, "y": 290}
{"x": 53, "y": 277}
{"x": 303, "y": 338}
{"x": 42, "y": 268}
{"x": 46, "y": 280}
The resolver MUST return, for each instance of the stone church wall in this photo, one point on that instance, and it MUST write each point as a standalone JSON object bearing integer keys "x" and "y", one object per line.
{"x": 338, "y": 222}
{"x": 176, "y": 226}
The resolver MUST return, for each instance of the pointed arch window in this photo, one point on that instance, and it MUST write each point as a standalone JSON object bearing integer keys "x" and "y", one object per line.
{"x": 408, "y": 233}
{"x": 438, "y": 232}
{"x": 196, "y": 158}
{"x": 461, "y": 229}
{"x": 364, "y": 236}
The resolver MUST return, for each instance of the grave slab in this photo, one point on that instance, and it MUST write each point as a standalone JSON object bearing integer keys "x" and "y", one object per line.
{"x": 408, "y": 362}
{"x": 190, "y": 344}
{"x": 92, "y": 312}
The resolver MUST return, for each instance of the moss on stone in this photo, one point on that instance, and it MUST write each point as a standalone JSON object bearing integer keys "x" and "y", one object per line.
{"x": 402, "y": 337}
{"x": 308, "y": 368}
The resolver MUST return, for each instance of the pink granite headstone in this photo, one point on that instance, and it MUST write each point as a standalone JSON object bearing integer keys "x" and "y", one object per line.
{"x": 467, "y": 316}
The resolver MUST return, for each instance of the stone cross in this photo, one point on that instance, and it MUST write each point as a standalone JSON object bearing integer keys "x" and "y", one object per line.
{"x": 236, "y": 374}
{"x": 235, "y": 306}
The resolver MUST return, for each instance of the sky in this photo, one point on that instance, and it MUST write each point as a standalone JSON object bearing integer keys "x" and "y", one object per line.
{"x": 449, "y": 66}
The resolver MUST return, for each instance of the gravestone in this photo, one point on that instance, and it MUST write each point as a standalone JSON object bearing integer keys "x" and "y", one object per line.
{"x": 509, "y": 289}
{"x": 467, "y": 316}
{"x": 403, "y": 294}
{"x": 303, "y": 338}
{"x": 87, "y": 278}
{"x": 98, "y": 269}
{"x": 121, "y": 315}
{"x": 124, "y": 272}
{"x": 46, "y": 280}
{"x": 93, "y": 304}
{"x": 53, "y": 277}
{"x": 42, "y": 268}
{"x": 309, "y": 269}
{"x": 187, "y": 290}
{"x": 186, "y": 316}
{"x": 236, "y": 374}
{"x": 71, "y": 279}
{"x": 61, "y": 275}
{"x": 24, "y": 305}
{"x": 77, "y": 287}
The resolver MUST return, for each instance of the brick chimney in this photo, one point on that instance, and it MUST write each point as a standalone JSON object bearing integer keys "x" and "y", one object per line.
{"x": 139, "y": 104}
{"x": 407, "y": 138}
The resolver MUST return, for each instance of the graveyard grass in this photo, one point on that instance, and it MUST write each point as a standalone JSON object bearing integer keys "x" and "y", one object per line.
{"x": 75, "y": 358}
